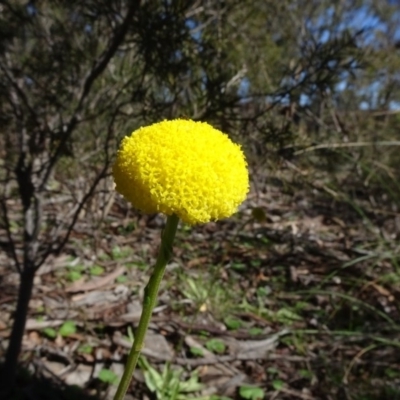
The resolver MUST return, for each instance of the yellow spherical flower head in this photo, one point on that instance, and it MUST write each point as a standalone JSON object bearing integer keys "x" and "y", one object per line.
{"x": 182, "y": 167}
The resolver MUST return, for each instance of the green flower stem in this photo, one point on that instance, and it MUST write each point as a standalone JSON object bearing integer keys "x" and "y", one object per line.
{"x": 150, "y": 299}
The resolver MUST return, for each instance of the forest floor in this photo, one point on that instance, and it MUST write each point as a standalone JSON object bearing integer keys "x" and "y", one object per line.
{"x": 295, "y": 297}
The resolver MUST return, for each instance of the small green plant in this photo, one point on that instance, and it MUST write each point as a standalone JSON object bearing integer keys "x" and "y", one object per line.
{"x": 129, "y": 335}
{"x": 205, "y": 293}
{"x": 216, "y": 346}
{"x": 85, "y": 349}
{"x": 277, "y": 384}
{"x": 263, "y": 291}
{"x": 196, "y": 351}
{"x": 238, "y": 266}
{"x": 126, "y": 229}
{"x": 103, "y": 257}
{"x": 96, "y": 270}
{"x": 121, "y": 279}
{"x": 74, "y": 276}
{"x": 287, "y": 316}
{"x": 196, "y": 291}
{"x": 107, "y": 376}
{"x": 68, "y": 328}
{"x": 119, "y": 253}
{"x": 306, "y": 374}
{"x": 169, "y": 384}
{"x": 233, "y": 323}
{"x": 75, "y": 272}
{"x": 255, "y": 331}
{"x": 51, "y": 333}
{"x": 251, "y": 392}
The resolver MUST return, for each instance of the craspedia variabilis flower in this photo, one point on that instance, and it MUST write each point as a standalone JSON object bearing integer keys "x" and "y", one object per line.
{"x": 182, "y": 167}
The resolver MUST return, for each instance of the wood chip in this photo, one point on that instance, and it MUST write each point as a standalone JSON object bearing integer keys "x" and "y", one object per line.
{"x": 95, "y": 283}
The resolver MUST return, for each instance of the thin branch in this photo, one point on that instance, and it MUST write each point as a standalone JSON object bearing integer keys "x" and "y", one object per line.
{"x": 104, "y": 59}
{"x": 93, "y": 74}
{"x": 344, "y": 145}
{"x": 83, "y": 201}
{"x": 11, "y": 242}
{"x": 19, "y": 91}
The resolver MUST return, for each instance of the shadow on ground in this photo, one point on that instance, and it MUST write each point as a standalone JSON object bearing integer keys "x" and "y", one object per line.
{"x": 36, "y": 387}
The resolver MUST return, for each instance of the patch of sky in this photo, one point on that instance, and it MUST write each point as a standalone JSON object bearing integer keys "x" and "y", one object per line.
{"x": 371, "y": 96}
{"x": 244, "y": 86}
{"x": 365, "y": 21}
{"x": 304, "y": 100}
{"x": 31, "y": 9}
{"x": 341, "y": 86}
{"x": 194, "y": 28}
{"x": 29, "y": 81}
{"x": 327, "y": 26}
